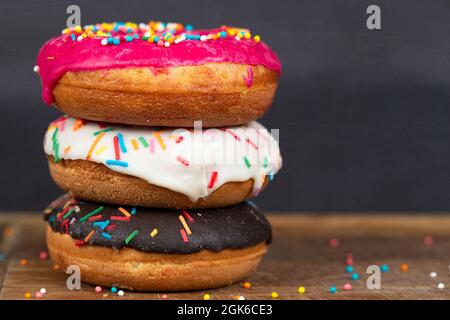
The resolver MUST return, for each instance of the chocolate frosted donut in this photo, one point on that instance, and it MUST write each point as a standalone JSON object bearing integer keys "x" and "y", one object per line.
{"x": 159, "y": 74}
{"x": 153, "y": 249}
{"x": 163, "y": 168}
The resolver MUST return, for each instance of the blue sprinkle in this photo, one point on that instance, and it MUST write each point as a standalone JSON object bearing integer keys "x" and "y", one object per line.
{"x": 155, "y": 39}
{"x": 128, "y": 38}
{"x": 197, "y": 37}
{"x": 189, "y": 27}
{"x": 121, "y": 143}
{"x": 223, "y": 34}
{"x": 52, "y": 219}
{"x": 101, "y": 224}
{"x": 107, "y": 236}
{"x": 333, "y": 289}
{"x": 117, "y": 163}
{"x": 133, "y": 211}
{"x": 384, "y": 268}
{"x": 73, "y": 37}
{"x": 110, "y": 40}
{"x": 113, "y": 289}
{"x": 271, "y": 176}
{"x": 355, "y": 276}
{"x": 349, "y": 269}
{"x": 136, "y": 36}
{"x": 116, "y": 42}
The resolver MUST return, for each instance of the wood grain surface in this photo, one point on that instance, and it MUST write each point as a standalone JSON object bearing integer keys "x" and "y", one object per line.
{"x": 300, "y": 255}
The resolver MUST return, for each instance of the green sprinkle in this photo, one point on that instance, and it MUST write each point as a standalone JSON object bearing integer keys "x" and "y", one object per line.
{"x": 68, "y": 213}
{"x": 247, "y": 162}
{"x": 96, "y": 133}
{"x": 131, "y": 237}
{"x": 55, "y": 145}
{"x": 144, "y": 143}
{"x": 266, "y": 162}
{"x": 90, "y": 214}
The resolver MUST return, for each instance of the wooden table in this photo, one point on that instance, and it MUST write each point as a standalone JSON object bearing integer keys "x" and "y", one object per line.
{"x": 299, "y": 256}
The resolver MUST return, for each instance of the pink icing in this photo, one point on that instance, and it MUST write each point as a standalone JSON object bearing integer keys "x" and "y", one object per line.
{"x": 61, "y": 54}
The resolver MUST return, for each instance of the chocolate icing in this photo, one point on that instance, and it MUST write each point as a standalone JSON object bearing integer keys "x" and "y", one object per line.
{"x": 234, "y": 227}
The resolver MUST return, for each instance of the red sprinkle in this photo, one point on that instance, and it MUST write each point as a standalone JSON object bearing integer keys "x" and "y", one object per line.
{"x": 120, "y": 218}
{"x": 79, "y": 243}
{"x": 111, "y": 227}
{"x": 250, "y": 142}
{"x": 187, "y": 215}
{"x": 184, "y": 235}
{"x": 233, "y": 134}
{"x": 95, "y": 218}
{"x": 116, "y": 148}
{"x": 213, "y": 179}
{"x": 179, "y": 139}
{"x": 61, "y": 214}
{"x": 183, "y": 161}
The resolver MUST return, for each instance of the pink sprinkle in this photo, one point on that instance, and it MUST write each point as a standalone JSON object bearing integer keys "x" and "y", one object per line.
{"x": 347, "y": 287}
{"x": 184, "y": 235}
{"x": 334, "y": 242}
{"x": 249, "y": 78}
{"x": 43, "y": 255}
{"x": 38, "y": 295}
{"x": 152, "y": 145}
{"x": 250, "y": 142}
{"x": 179, "y": 139}
{"x": 98, "y": 289}
{"x": 349, "y": 261}
{"x": 183, "y": 161}
{"x": 428, "y": 240}
{"x": 164, "y": 296}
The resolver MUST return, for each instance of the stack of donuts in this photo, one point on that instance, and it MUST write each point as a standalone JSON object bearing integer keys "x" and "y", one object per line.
{"x": 159, "y": 152}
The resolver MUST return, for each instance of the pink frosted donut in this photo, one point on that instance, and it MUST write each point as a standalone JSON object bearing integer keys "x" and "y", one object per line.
{"x": 159, "y": 74}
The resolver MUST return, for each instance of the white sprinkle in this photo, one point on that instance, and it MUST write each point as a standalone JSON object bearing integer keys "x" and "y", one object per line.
{"x": 121, "y": 293}
{"x": 241, "y": 298}
{"x": 203, "y": 38}
{"x": 440, "y": 286}
{"x": 36, "y": 69}
{"x": 167, "y": 44}
{"x": 181, "y": 38}
{"x": 43, "y": 291}
{"x": 79, "y": 38}
{"x": 142, "y": 26}
{"x": 433, "y": 274}
{"x": 237, "y": 38}
{"x": 104, "y": 42}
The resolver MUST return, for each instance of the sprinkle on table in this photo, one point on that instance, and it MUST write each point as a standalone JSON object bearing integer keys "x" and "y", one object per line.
{"x": 131, "y": 237}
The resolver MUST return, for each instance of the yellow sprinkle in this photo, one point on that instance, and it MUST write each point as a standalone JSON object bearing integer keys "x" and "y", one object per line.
{"x": 257, "y": 38}
{"x": 67, "y": 149}
{"x": 94, "y": 144}
{"x": 185, "y": 226}
{"x": 27, "y": 295}
{"x": 206, "y": 296}
{"x": 135, "y": 144}
{"x": 301, "y": 290}
{"x": 274, "y": 294}
{"x": 154, "y": 233}
{"x": 100, "y": 150}
{"x": 160, "y": 140}
{"x": 125, "y": 212}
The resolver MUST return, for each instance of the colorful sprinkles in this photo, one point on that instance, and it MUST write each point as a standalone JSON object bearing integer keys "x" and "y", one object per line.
{"x": 156, "y": 33}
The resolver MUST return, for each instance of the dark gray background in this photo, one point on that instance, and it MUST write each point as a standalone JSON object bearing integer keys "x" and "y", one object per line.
{"x": 363, "y": 114}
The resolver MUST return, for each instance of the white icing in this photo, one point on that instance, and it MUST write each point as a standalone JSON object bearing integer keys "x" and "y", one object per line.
{"x": 185, "y": 166}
